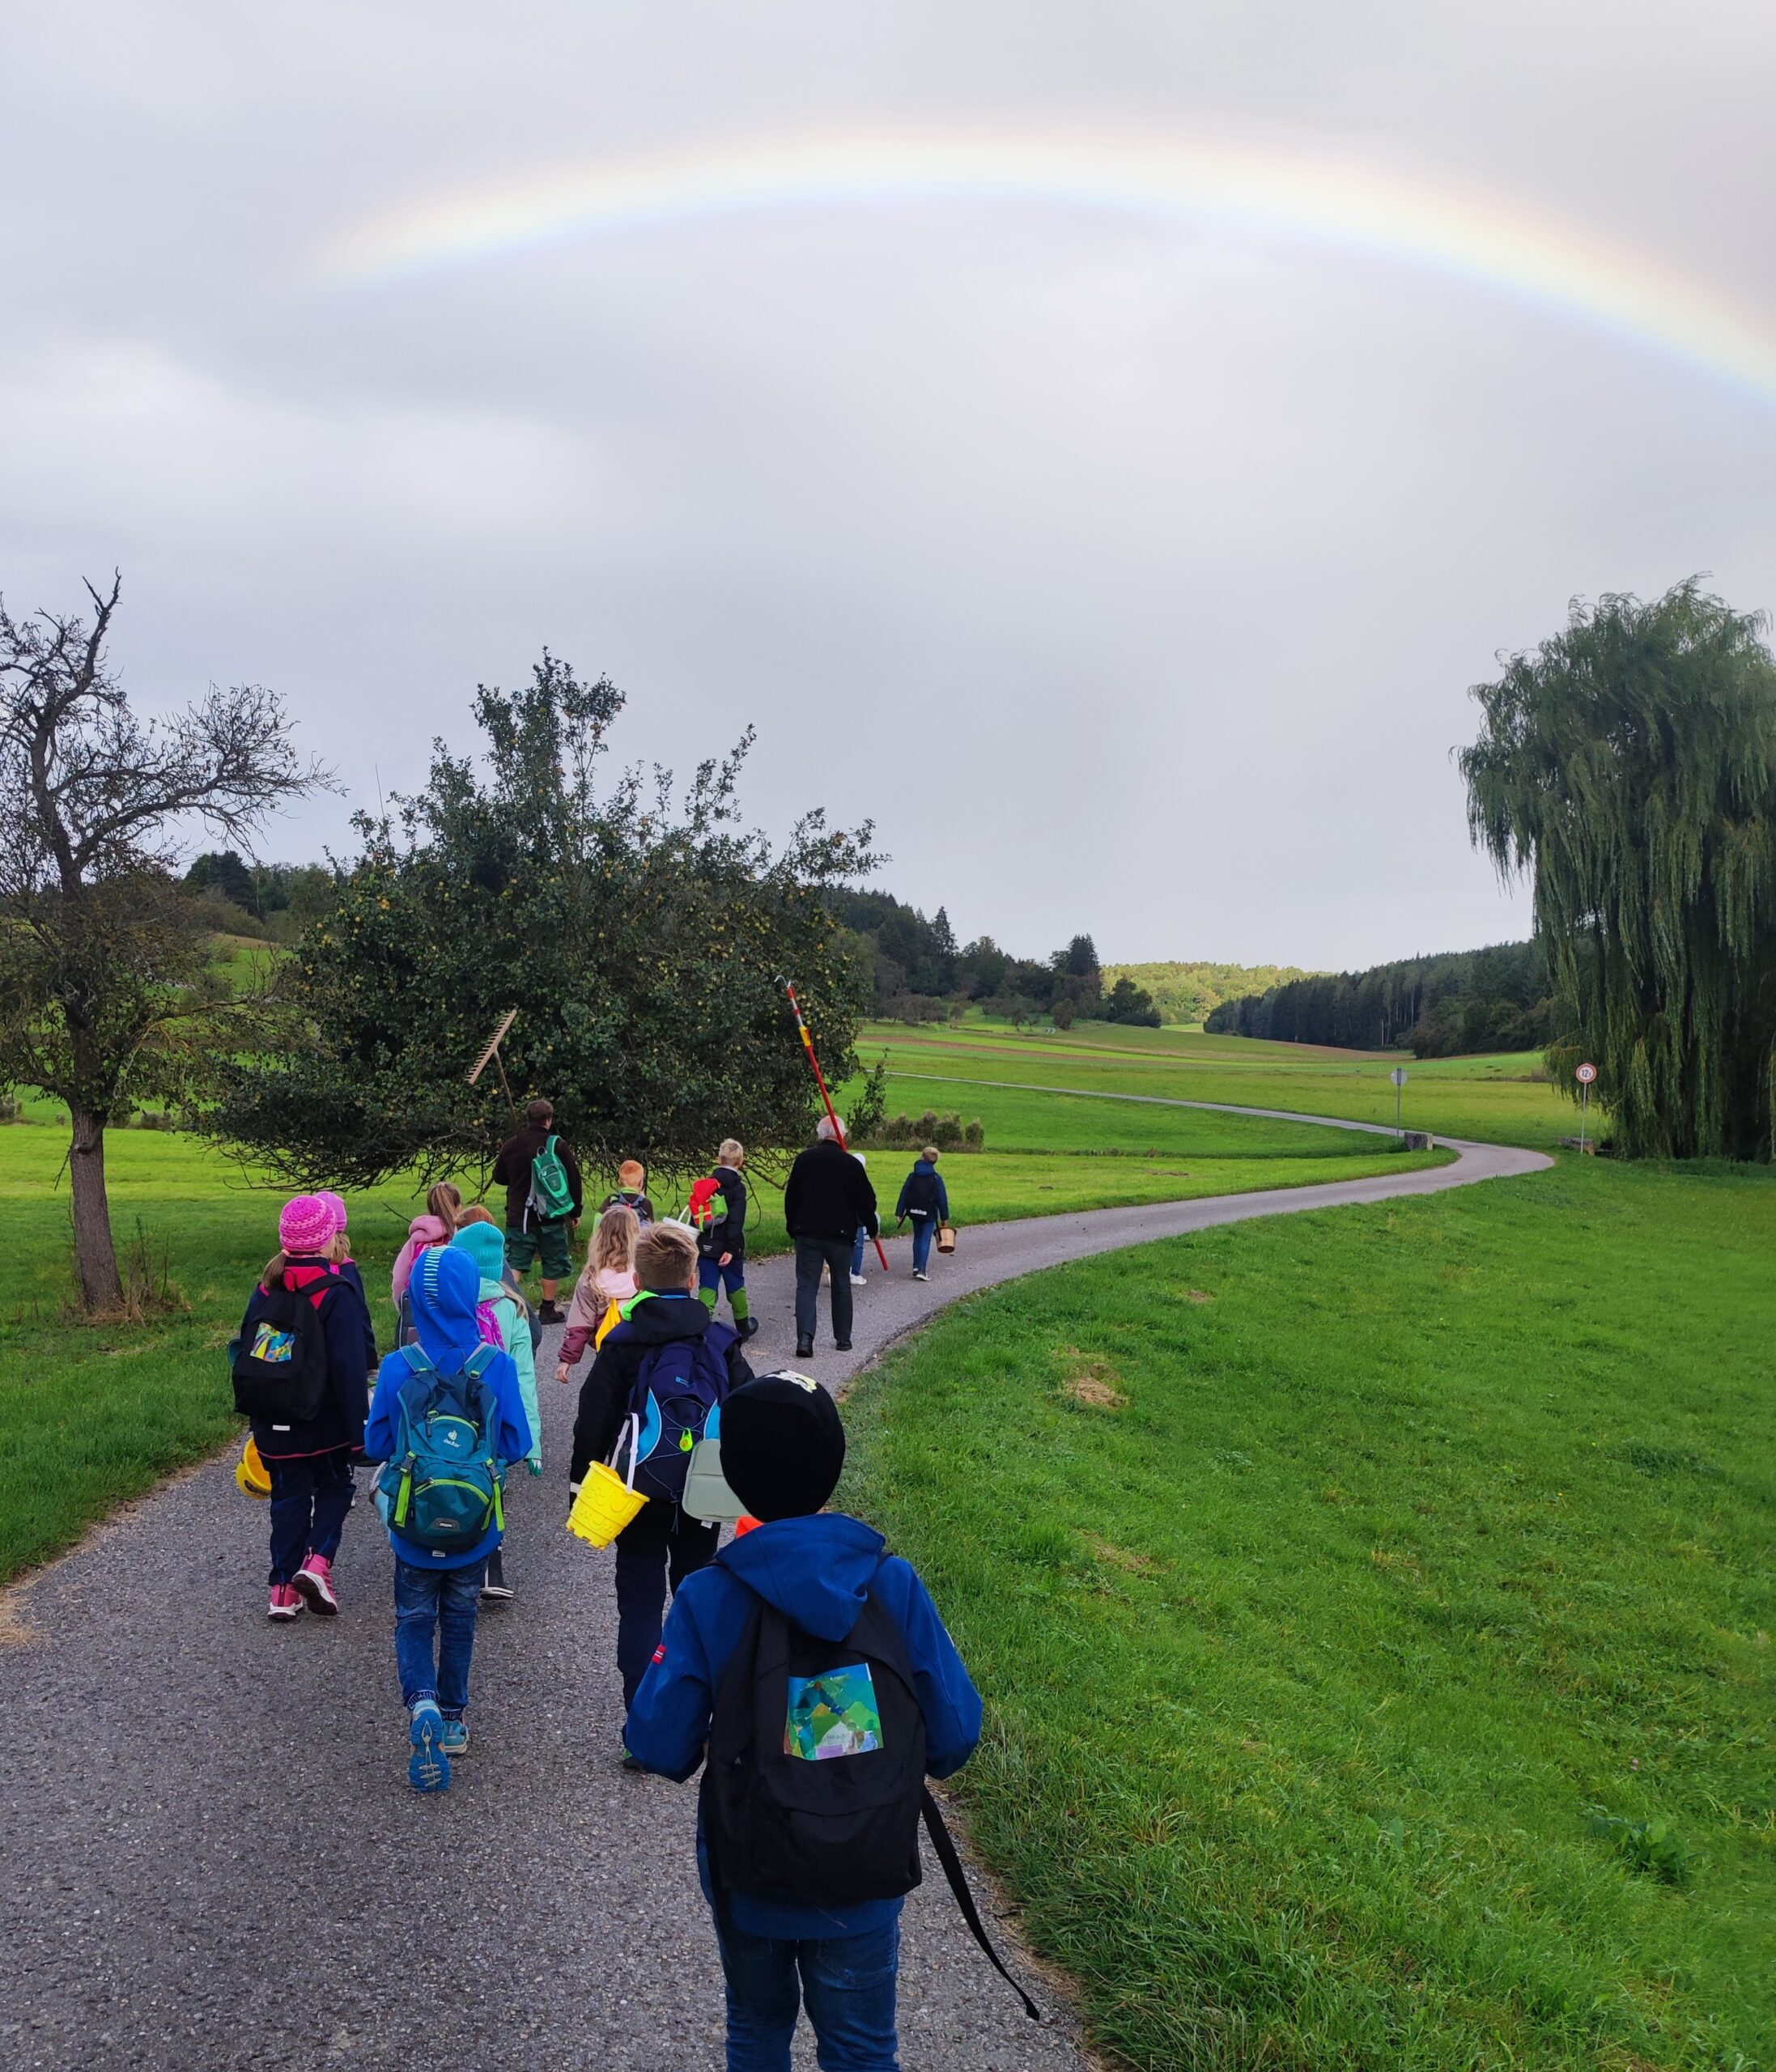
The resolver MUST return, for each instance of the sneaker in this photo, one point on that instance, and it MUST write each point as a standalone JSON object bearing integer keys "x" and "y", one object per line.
{"x": 454, "y": 1740}
{"x": 859, "y": 1281}
{"x": 428, "y": 1768}
{"x": 629, "y": 1761}
{"x": 841, "y": 1345}
{"x": 314, "y": 1580}
{"x": 285, "y": 1602}
{"x": 918, "y": 1275}
{"x": 495, "y": 1585}
{"x": 549, "y": 1313}
{"x": 805, "y": 1349}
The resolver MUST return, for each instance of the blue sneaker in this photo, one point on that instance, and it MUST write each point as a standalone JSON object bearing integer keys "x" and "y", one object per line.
{"x": 454, "y": 1740}
{"x": 429, "y": 1768}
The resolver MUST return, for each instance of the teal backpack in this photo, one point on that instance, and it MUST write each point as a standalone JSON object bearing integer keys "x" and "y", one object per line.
{"x": 551, "y": 1192}
{"x": 443, "y": 1474}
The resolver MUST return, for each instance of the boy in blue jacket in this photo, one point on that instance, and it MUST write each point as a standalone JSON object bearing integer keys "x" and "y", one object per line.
{"x": 782, "y": 1446}
{"x": 438, "y": 1594}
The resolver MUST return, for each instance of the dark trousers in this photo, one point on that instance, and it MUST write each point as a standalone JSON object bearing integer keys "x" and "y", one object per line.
{"x": 812, "y": 1253}
{"x": 309, "y": 1499}
{"x": 660, "y": 1541}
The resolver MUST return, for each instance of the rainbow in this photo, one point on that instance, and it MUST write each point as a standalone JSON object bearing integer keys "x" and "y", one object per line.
{"x": 1349, "y": 204}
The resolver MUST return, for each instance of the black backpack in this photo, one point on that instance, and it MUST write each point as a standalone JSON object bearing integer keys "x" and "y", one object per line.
{"x": 280, "y": 1359}
{"x": 921, "y": 1193}
{"x": 814, "y": 1784}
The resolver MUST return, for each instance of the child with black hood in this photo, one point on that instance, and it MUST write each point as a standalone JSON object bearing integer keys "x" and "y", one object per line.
{"x": 830, "y": 1576}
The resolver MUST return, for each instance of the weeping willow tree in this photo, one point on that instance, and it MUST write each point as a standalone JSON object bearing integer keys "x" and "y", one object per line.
{"x": 1628, "y": 768}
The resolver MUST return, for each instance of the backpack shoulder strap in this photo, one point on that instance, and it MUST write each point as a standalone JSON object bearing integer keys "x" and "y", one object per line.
{"x": 941, "y": 1842}
{"x": 479, "y": 1360}
{"x": 418, "y": 1361}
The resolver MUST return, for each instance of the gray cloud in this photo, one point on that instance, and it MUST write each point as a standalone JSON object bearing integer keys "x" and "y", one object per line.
{"x": 1130, "y": 573}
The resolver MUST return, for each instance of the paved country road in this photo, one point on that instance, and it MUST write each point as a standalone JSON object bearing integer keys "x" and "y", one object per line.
{"x": 209, "y": 1856}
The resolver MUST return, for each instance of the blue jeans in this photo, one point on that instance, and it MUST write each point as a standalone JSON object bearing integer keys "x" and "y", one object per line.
{"x": 310, "y": 1496}
{"x": 925, "y": 1228}
{"x": 441, "y": 1603}
{"x": 857, "y": 1244}
{"x": 847, "y": 1983}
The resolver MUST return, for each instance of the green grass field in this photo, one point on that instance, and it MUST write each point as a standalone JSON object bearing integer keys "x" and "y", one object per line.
{"x": 92, "y": 1416}
{"x": 1374, "y": 1610}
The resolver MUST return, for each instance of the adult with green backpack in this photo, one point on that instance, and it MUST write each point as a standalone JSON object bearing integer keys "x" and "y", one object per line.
{"x": 544, "y": 1197}
{"x": 447, "y": 1421}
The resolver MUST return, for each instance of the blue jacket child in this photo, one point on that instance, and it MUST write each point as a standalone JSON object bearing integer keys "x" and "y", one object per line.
{"x": 438, "y": 1594}
{"x": 782, "y": 1448}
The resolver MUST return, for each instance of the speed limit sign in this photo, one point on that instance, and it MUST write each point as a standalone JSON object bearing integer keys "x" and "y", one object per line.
{"x": 1586, "y": 1074}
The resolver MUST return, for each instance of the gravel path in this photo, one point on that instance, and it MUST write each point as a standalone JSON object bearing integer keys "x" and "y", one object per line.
{"x": 210, "y": 1855}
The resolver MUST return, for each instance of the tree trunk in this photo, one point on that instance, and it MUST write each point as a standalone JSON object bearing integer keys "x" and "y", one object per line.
{"x": 94, "y": 1255}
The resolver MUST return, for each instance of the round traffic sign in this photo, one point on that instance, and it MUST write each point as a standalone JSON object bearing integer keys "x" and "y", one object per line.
{"x": 1398, "y": 1075}
{"x": 1586, "y": 1074}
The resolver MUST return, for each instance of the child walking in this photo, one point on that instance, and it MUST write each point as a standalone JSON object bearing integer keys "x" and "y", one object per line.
{"x": 664, "y": 1322}
{"x": 485, "y": 1242}
{"x": 818, "y": 1591}
{"x": 309, "y": 1458}
{"x": 721, "y": 1240}
{"x": 459, "y": 1395}
{"x": 631, "y": 1192}
{"x": 926, "y": 1199}
{"x": 609, "y": 1277}
{"x": 444, "y": 1211}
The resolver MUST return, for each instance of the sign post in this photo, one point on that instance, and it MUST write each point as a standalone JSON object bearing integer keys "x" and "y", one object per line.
{"x": 1398, "y": 1076}
{"x": 1586, "y": 1073}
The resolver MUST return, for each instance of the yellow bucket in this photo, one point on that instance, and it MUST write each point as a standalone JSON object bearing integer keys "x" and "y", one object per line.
{"x": 605, "y": 1505}
{"x": 250, "y": 1474}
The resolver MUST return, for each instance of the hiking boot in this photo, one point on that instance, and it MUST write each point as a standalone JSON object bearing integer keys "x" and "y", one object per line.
{"x": 859, "y": 1281}
{"x": 314, "y": 1580}
{"x": 285, "y": 1602}
{"x": 805, "y": 1349}
{"x": 551, "y": 1313}
{"x": 747, "y": 1328}
{"x": 495, "y": 1585}
{"x": 428, "y": 1768}
{"x": 454, "y": 1740}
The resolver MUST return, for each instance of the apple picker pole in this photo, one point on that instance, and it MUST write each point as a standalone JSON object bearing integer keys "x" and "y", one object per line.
{"x": 820, "y": 1081}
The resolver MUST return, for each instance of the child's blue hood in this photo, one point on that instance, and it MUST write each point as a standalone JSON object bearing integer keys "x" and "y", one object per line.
{"x": 445, "y": 1288}
{"x": 816, "y": 1571}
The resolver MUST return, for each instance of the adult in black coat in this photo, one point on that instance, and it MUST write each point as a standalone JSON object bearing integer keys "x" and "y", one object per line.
{"x": 828, "y": 1199}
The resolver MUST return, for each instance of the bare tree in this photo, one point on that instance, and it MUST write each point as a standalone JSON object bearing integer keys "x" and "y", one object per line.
{"x": 102, "y": 962}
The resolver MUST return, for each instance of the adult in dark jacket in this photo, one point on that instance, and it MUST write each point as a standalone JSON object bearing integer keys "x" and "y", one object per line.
{"x": 661, "y": 1543}
{"x": 309, "y": 1461}
{"x": 926, "y": 1199}
{"x": 828, "y": 1200}
{"x": 528, "y": 1232}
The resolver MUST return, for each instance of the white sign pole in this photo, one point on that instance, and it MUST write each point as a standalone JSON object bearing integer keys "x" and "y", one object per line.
{"x": 1586, "y": 1073}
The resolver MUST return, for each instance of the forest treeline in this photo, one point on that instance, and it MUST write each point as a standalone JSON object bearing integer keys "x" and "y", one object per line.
{"x": 1454, "y": 1004}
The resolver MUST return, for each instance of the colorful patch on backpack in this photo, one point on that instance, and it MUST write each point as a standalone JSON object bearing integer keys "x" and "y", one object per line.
{"x": 271, "y": 1344}
{"x": 834, "y": 1713}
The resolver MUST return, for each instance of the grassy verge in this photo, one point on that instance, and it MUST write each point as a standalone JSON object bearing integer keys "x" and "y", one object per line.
{"x": 1374, "y": 1610}
{"x": 91, "y": 1416}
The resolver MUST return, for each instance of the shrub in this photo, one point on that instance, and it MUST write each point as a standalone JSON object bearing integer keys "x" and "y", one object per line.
{"x": 912, "y": 1133}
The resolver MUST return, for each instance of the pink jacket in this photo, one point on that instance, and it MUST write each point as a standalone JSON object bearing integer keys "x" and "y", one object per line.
{"x": 423, "y": 1230}
{"x": 593, "y": 1294}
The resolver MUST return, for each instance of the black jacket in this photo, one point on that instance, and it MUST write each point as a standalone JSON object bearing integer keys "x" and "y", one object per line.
{"x": 829, "y": 1194}
{"x": 729, "y": 1235}
{"x": 512, "y": 1169}
{"x": 345, "y": 1326}
{"x": 604, "y": 1393}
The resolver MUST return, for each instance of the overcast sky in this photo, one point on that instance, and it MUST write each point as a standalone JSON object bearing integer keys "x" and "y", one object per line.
{"x": 1126, "y": 559}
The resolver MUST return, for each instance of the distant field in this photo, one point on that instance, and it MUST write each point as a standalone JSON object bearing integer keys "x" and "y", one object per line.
{"x": 1375, "y": 1612}
{"x": 1495, "y": 1099}
{"x": 90, "y": 1416}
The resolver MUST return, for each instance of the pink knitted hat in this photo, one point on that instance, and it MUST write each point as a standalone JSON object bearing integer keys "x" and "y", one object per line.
{"x": 336, "y": 1202}
{"x": 309, "y": 1224}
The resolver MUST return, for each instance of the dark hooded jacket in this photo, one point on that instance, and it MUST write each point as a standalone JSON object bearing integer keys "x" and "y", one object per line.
{"x": 829, "y": 1194}
{"x": 817, "y": 1571}
{"x": 444, "y": 1291}
{"x": 345, "y": 1326}
{"x": 648, "y": 1320}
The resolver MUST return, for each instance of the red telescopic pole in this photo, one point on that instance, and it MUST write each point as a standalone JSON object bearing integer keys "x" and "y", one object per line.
{"x": 820, "y": 1081}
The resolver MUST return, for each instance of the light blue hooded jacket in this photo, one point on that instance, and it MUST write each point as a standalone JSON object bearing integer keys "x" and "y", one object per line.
{"x": 486, "y": 1247}
{"x": 444, "y": 1291}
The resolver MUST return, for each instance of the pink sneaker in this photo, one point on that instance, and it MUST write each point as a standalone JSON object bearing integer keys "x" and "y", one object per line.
{"x": 314, "y": 1579}
{"x": 285, "y": 1602}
